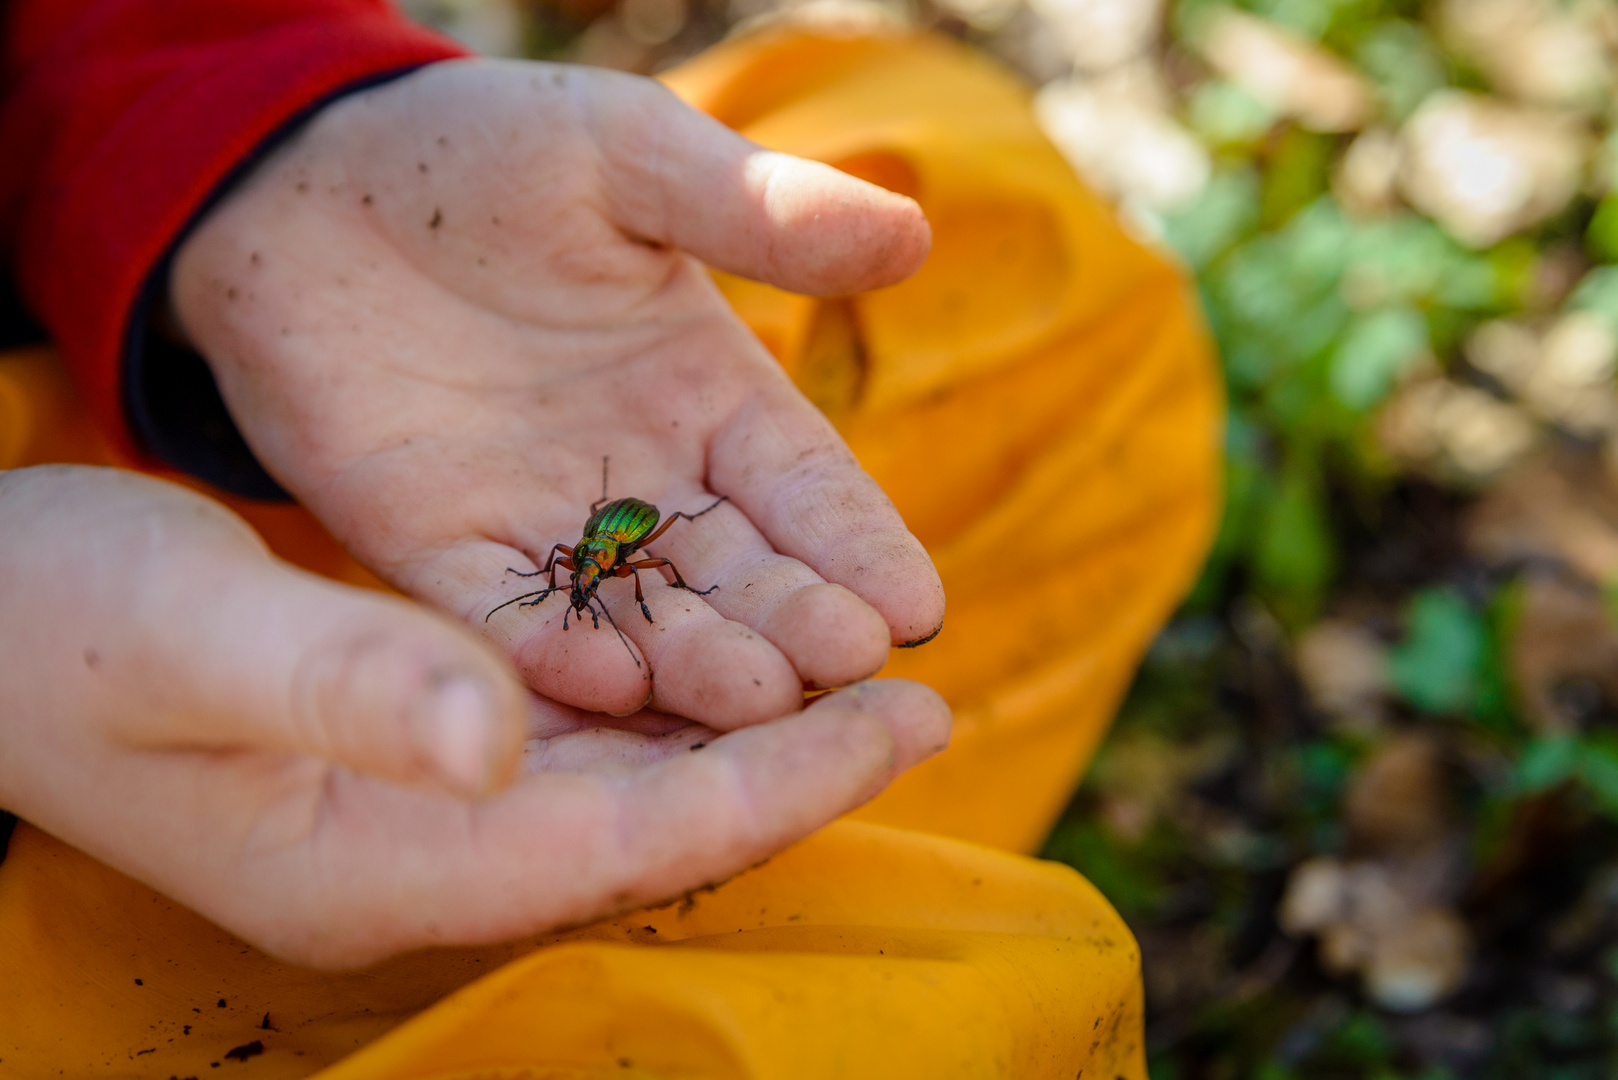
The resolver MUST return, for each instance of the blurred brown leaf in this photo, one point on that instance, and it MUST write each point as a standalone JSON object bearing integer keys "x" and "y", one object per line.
{"x": 1560, "y": 506}
{"x": 1345, "y": 669}
{"x": 1564, "y": 653}
{"x": 1398, "y": 804}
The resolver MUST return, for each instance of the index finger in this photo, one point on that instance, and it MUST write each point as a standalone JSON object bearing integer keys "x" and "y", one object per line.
{"x": 781, "y": 461}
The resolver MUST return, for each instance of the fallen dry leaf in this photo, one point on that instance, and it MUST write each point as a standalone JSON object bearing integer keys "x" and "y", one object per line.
{"x": 1538, "y": 50}
{"x": 1457, "y": 433}
{"x": 1292, "y": 75}
{"x": 1398, "y": 802}
{"x": 1345, "y": 669}
{"x": 1484, "y": 169}
{"x": 1564, "y": 653}
{"x": 1561, "y": 507}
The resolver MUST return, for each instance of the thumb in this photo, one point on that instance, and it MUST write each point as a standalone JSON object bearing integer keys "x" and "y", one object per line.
{"x": 678, "y": 177}
{"x": 250, "y": 652}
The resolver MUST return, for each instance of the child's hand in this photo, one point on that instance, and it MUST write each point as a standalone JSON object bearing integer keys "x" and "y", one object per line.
{"x": 293, "y": 758}
{"x": 438, "y": 308}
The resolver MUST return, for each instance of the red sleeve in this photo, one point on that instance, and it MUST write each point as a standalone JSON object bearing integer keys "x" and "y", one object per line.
{"x": 120, "y": 118}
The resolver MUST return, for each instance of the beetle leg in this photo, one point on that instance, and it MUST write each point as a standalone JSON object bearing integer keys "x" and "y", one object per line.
{"x": 552, "y": 587}
{"x": 540, "y": 596}
{"x": 676, "y": 516}
{"x": 627, "y": 570}
{"x": 565, "y": 564}
{"x": 679, "y": 582}
{"x": 563, "y": 548}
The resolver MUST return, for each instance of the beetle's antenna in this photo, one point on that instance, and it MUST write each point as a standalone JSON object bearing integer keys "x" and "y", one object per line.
{"x": 542, "y": 594}
{"x": 621, "y": 637}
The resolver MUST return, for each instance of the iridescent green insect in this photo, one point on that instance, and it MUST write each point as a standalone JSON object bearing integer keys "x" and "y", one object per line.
{"x": 615, "y": 531}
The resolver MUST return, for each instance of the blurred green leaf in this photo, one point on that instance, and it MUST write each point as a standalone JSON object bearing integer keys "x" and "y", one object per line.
{"x": 1225, "y": 115}
{"x": 1295, "y": 174}
{"x": 1163, "y": 1067}
{"x": 1493, "y": 710}
{"x": 1226, "y": 209}
{"x": 1271, "y": 1070}
{"x": 1294, "y": 555}
{"x": 1469, "y": 282}
{"x": 1317, "y": 244}
{"x": 1598, "y": 769}
{"x": 1545, "y": 763}
{"x": 1404, "y": 64}
{"x": 1189, "y": 19}
{"x": 1274, "y": 301}
{"x": 1597, "y": 292}
{"x": 1247, "y": 491}
{"x": 1609, "y": 963}
{"x": 1309, "y": 18}
{"x": 1362, "y": 1039}
{"x": 1378, "y": 348}
{"x": 1397, "y": 258}
{"x": 1514, "y": 260}
{"x": 1323, "y": 769}
{"x": 1438, "y": 666}
{"x": 1601, "y": 237}
{"x": 1407, "y": 258}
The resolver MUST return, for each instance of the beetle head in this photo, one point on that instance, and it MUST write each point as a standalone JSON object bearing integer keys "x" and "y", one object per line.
{"x": 586, "y": 579}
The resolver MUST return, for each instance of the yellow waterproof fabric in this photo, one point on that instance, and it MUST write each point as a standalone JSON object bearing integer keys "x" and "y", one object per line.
{"x": 862, "y": 952}
{"x": 1042, "y": 407}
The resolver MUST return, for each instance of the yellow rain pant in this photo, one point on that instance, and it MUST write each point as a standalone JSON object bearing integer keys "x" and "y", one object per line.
{"x": 1043, "y": 384}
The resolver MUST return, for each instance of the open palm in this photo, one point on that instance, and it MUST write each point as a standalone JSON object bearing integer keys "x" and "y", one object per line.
{"x": 447, "y": 299}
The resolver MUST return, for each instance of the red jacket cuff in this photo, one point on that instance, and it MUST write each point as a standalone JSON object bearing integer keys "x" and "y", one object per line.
{"x": 123, "y": 130}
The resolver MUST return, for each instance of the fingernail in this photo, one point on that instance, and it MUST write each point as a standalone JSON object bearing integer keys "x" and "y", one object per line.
{"x": 457, "y": 728}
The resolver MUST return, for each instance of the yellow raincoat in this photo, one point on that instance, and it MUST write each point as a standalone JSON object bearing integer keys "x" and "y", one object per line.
{"x": 1042, "y": 375}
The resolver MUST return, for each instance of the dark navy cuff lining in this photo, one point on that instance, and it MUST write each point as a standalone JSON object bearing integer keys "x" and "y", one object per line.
{"x": 8, "y": 823}
{"x": 17, "y": 326}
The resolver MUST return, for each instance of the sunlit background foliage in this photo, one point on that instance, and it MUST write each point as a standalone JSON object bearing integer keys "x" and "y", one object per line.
{"x": 1361, "y": 805}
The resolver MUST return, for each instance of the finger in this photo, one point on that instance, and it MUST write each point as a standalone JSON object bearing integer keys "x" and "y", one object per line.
{"x": 566, "y": 849}
{"x": 587, "y": 665}
{"x": 829, "y": 636}
{"x": 230, "y": 648}
{"x": 704, "y": 666}
{"x": 783, "y": 464}
{"x": 581, "y": 660}
{"x": 681, "y": 178}
{"x": 701, "y": 817}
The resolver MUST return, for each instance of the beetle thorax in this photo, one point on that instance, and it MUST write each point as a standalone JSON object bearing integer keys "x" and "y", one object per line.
{"x": 592, "y": 559}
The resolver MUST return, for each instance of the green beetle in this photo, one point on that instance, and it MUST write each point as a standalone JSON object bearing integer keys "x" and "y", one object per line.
{"x": 615, "y": 531}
